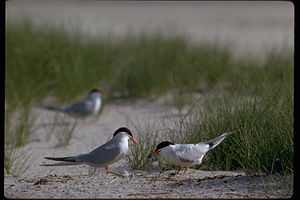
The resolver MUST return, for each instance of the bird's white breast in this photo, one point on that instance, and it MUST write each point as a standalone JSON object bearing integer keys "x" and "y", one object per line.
{"x": 97, "y": 105}
{"x": 170, "y": 155}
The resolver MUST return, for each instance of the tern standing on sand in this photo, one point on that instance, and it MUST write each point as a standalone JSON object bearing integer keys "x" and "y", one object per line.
{"x": 103, "y": 156}
{"x": 89, "y": 106}
{"x": 186, "y": 155}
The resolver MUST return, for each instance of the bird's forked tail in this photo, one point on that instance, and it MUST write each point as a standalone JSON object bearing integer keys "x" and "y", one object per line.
{"x": 214, "y": 142}
{"x": 64, "y": 161}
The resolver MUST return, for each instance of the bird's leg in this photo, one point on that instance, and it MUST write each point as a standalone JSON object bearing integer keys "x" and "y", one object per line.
{"x": 185, "y": 170}
{"x": 106, "y": 168}
{"x": 178, "y": 170}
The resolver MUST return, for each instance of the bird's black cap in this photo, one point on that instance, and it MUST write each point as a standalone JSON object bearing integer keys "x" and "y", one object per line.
{"x": 94, "y": 90}
{"x": 123, "y": 129}
{"x": 163, "y": 144}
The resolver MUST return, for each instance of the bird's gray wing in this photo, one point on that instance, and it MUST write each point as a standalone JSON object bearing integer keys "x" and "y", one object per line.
{"x": 102, "y": 155}
{"x": 192, "y": 152}
{"x": 80, "y": 108}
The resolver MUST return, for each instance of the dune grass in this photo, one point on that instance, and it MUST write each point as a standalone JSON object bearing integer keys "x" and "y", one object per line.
{"x": 259, "y": 104}
{"x": 54, "y": 63}
{"x": 255, "y": 98}
{"x": 19, "y": 128}
{"x": 63, "y": 129}
{"x": 148, "y": 137}
{"x": 264, "y": 141}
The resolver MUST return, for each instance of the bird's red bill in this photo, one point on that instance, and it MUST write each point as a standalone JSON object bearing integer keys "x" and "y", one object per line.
{"x": 155, "y": 152}
{"x": 104, "y": 94}
{"x": 134, "y": 140}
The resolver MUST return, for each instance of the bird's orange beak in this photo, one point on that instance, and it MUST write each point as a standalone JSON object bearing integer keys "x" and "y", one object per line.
{"x": 134, "y": 140}
{"x": 104, "y": 93}
{"x": 155, "y": 152}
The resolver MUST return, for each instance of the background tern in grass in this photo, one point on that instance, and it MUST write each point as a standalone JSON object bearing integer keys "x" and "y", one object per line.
{"x": 89, "y": 106}
{"x": 103, "y": 156}
{"x": 186, "y": 155}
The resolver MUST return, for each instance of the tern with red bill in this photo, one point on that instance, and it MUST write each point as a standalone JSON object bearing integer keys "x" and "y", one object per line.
{"x": 186, "y": 155}
{"x": 89, "y": 106}
{"x": 103, "y": 156}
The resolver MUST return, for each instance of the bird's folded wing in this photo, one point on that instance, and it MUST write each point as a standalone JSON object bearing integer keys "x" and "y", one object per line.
{"x": 103, "y": 154}
{"x": 82, "y": 107}
{"x": 192, "y": 152}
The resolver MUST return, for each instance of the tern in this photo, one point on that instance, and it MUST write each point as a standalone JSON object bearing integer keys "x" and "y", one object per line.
{"x": 89, "y": 106}
{"x": 103, "y": 156}
{"x": 186, "y": 155}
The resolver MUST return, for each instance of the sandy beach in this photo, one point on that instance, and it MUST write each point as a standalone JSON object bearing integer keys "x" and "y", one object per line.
{"x": 249, "y": 28}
